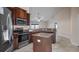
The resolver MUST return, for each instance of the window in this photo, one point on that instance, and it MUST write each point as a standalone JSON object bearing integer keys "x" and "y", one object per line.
{"x": 34, "y": 26}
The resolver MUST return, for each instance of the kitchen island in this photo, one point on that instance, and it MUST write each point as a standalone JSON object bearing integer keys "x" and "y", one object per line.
{"x": 42, "y": 42}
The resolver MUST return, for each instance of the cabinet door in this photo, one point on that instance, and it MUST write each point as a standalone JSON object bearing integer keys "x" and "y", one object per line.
{"x": 17, "y": 13}
{"x": 15, "y": 41}
{"x": 25, "y": 15}
{"x": 41, "y": 44}
{"x": 20, "y": 13}
{"x": 36, "y": 46}
{"x": 28, "y": 19}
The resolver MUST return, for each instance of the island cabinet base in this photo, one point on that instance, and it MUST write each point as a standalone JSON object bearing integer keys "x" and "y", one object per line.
{"x": 42, "y": 42}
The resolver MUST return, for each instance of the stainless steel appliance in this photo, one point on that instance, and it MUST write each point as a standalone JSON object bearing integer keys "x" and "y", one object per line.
{"x": 5, "y": 28}
{"x": 21, "y": 22}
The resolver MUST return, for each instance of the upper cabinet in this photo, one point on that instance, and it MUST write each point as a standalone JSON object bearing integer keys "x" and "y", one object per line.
{"x": 28, "y": 18}
{"x": 19, "y": 13}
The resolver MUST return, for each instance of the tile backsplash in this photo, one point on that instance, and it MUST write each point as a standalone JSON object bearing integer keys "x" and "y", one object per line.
{"x": 21, "y": 27}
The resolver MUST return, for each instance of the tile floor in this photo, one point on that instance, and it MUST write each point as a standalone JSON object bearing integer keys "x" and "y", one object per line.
{"x": 62, "y": 45}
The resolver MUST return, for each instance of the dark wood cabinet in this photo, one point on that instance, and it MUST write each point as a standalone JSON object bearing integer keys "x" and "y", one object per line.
{"x": 15, "y": 41}
{"x": 42, "y": 42}
{"x": 19, "y": 13}
{"x": 28, "y": 18}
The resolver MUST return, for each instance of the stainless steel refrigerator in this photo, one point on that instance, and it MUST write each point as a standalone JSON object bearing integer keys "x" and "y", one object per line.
{"x": 6, "y": 28}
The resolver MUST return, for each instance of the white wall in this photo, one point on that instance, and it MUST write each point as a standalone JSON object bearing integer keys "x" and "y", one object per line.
{"x": 68, "y": 24}
{"x": 75, "y": 26}
{"x": 1, "y": 10}
{"x": 43, "y": 24}
{"x": 64, "y": 23}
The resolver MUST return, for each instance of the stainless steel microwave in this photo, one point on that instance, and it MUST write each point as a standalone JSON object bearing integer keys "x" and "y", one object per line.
{"x": 20, "y": 21}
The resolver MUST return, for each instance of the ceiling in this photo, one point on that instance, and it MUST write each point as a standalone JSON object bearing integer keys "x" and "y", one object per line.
{"x": 45, "y": 12}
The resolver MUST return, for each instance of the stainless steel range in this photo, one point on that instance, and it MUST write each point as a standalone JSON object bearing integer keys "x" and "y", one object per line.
{"x": 23, "y": 35}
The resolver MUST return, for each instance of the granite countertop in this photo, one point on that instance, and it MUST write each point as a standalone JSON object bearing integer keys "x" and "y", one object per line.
{"x": 44, "y": 35}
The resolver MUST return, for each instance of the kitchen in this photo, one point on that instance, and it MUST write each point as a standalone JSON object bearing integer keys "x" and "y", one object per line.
{"x": 20, "y": 31}
{"x": 13, "y": 22}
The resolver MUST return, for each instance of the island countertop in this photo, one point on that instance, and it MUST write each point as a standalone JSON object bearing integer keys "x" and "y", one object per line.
{"x": 45, "y": 35}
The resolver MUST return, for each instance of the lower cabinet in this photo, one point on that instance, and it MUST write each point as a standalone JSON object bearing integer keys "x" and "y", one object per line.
{"x": 42, "y": 44}
{"x": 15, "y": 41}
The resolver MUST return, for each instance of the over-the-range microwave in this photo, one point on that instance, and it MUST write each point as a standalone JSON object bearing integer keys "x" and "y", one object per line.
{"x": 20, "y": 21}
